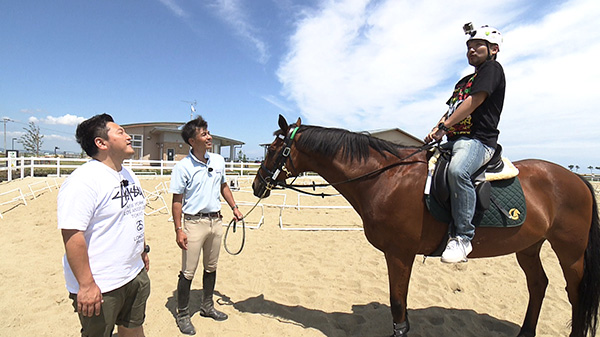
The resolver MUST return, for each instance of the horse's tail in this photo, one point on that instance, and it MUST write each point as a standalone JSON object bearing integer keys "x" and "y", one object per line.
{"x": 589, "y": 288}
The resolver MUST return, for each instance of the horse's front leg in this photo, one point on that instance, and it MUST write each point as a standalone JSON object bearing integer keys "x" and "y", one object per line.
{"x": 399, "y": 268}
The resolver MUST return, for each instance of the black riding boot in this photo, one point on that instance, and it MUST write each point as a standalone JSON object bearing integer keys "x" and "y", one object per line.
{"x": 207, "y": 308}
{"x": 183, "y": 299}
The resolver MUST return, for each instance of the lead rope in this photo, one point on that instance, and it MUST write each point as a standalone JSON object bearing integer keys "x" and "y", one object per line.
{"x": 233, "y": 224}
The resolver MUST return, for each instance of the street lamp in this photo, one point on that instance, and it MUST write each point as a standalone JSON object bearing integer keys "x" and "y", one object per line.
{"x": 56, "y": 148}
{"x": 13, "y": 143}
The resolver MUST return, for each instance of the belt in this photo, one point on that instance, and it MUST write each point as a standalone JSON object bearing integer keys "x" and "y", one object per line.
{"x": 209, "y": 215}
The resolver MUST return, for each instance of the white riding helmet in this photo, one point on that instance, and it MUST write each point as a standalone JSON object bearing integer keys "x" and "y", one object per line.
{"x": 487, "y": 33}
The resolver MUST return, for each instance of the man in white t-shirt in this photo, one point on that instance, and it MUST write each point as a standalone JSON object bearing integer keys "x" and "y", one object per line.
{"x": 197, "y": 182}
{"x": 100, "y": 211}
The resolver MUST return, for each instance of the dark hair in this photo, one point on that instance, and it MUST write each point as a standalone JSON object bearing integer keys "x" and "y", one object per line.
{"x": 91, "y": 128}
{"x": 191, "y": 128}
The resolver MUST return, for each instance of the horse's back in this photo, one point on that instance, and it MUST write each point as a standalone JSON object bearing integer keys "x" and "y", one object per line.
{"x": 555, "y": 196}
{"x": 539, "y": 175}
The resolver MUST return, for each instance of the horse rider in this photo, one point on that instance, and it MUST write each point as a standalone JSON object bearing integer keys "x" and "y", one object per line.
{"x": 471, "y": 127}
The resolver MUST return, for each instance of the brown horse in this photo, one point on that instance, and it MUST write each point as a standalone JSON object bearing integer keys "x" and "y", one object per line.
{"x": 384, "y": 182}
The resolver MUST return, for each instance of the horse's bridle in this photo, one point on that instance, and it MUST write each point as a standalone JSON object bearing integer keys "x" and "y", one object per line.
{"x": 271, "y": 182}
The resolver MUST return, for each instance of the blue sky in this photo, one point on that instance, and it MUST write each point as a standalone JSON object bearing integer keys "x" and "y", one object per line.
{"x": 354, "y": 64}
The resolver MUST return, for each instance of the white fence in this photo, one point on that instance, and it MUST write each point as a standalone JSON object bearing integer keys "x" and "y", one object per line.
{"x": 27, "y": 166}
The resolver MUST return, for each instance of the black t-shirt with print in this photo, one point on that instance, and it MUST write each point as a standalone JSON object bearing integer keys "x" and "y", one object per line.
{"x": 482, "y": 124}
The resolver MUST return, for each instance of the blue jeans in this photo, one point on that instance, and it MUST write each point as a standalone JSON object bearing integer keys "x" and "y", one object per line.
{"x": 468, "y": 155}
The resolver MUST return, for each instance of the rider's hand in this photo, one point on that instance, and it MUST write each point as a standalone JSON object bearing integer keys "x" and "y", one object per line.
{"x": 435, "y": 135}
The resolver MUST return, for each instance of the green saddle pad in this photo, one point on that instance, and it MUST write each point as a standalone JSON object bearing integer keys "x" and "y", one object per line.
{"x": 507, "y": 208}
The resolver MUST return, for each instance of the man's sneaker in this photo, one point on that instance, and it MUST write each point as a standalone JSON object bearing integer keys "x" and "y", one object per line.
{"x": 457, "y": 250}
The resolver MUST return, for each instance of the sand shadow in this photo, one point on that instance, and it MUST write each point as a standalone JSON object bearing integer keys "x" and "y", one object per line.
{"x": 374, "y": 319}
{"x": 195, "y": 299}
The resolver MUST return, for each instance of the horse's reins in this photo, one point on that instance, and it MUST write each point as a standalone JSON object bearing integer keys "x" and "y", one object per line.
{"x": 285, "y": 155}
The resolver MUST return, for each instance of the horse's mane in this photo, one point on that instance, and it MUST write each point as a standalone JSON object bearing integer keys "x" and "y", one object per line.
{"x": 329, "y": 141}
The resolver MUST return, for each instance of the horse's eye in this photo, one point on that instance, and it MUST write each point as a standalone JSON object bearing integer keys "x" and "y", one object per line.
{"x": 270, "y": 150}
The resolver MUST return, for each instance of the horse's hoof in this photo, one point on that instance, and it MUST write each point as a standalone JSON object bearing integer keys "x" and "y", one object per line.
{"x": 401, "y": 329}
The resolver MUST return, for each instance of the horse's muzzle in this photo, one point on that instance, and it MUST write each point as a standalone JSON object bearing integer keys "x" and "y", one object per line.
{"x": 260, "y": 187}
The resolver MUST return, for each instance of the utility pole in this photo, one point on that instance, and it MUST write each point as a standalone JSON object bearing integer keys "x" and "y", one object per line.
{"x": 5, "y": 119}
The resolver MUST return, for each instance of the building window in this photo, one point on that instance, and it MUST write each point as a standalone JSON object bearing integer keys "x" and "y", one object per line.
{"x": 137, "y": 141}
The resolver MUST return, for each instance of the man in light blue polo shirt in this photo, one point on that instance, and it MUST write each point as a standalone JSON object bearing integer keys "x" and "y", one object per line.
{"x": 197, "y": 182}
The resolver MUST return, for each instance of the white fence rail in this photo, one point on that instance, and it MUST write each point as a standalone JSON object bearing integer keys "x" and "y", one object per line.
{"x": 27, "y": 166}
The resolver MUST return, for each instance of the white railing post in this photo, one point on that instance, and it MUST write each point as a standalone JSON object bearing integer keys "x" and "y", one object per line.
{"x": 58, "y": 167}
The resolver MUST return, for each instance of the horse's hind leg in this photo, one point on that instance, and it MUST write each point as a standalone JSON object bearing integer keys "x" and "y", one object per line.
{"x": 537, "y": 281}
{"x": 571, "y": 257}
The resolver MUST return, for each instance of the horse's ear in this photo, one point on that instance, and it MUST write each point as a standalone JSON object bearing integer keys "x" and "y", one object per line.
{"x": 298, "y": 122}
{"x": 283, "y": 124}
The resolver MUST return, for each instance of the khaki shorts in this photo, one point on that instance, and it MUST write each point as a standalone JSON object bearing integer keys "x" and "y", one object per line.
{"x": 204, "y": 237}
{"x": 125, "y": 306}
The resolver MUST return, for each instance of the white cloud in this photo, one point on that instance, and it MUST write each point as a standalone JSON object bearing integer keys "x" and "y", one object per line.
{"x": 363, "y": 64}
{"x": 67, "y": 119}
{"x": 58, "y": 137}
{"x": 233, "y": 13}
{"x": 174, "y": 8}
{"x": 63, "y": 120}
{"x": 277, "y": 102}
{"x": 14, "y": 134}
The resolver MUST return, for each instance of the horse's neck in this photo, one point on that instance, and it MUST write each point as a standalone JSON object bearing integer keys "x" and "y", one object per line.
{"x": 337, "y": 169}
{"x": 333, "y": 170}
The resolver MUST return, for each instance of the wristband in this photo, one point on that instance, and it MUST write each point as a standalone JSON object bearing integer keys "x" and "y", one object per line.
{"x": 234, "y": 207}
{"x": 443, "y": 127}
{"x": 178, "y": 228}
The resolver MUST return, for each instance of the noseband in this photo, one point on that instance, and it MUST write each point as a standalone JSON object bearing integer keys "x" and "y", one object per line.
{"x": 270, "y": 180}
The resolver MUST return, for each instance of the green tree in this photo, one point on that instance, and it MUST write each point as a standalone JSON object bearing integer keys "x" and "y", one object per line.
{"x": 242, "y": 156}
{"x": 32, "y": 140}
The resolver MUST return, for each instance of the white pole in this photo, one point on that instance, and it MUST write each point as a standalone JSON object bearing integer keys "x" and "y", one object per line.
{"x": 5, "y": 120}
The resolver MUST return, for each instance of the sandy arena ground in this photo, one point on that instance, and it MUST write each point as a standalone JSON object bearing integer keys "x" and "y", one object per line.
{"x": 284, "y": 283}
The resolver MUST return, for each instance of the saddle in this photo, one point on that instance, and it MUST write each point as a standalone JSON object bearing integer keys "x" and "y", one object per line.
{"x": 500, "y": 198}
{"x": 441, "y": 192}
{"x": 495, "y": 183}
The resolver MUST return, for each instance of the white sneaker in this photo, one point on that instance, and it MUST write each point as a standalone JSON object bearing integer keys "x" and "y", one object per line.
{"x": 457, "y": 250}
